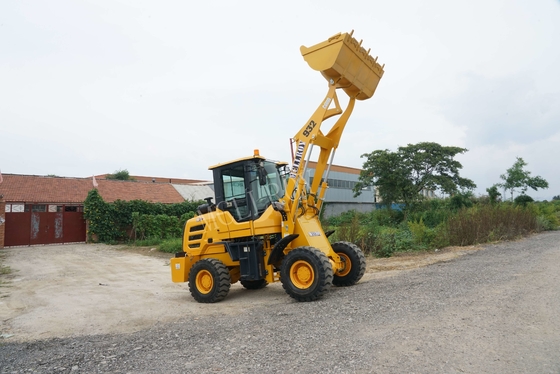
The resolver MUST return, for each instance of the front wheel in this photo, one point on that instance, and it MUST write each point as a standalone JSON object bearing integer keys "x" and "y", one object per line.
{"x": 209, "y": 281}
{"x": 306, "y": 274}
{"x": 354, "y": 264}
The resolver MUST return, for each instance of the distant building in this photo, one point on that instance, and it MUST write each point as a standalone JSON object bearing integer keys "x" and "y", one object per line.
{"x": 195, "y": 192}
{"x": 339, "y": 197}
{"x": 47, "y": 210}
{"x": 190, "y": 189}
{"x": 140, "y": 178}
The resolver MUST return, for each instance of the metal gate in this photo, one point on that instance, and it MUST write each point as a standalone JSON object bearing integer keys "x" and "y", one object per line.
{"x": 74, "y": 228}
{"x": 30, "y": 224}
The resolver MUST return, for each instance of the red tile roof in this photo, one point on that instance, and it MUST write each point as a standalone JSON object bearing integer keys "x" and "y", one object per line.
{"x": 140, "y": 178}
{"x": 40, "y": 189}
{"x": 112, "y": 190}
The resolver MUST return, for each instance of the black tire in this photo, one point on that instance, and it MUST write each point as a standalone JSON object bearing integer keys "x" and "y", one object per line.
{"x": 355, "y": 262}
{"x": 254, "y": 284}
{"x": 209, "y": 281}
{"x": 306, "y": 274}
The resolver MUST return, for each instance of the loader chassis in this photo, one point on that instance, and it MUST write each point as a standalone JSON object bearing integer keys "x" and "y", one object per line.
{"x": 264, "y": 225}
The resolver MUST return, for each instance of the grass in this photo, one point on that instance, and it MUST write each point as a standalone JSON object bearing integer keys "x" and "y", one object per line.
{"x": 150, "y": 242}
{"x": 4, "y": 270}
{"x": 172, "y": 245}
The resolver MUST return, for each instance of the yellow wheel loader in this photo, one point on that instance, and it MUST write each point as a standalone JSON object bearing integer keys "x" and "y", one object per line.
{"x": 264, "y": 225}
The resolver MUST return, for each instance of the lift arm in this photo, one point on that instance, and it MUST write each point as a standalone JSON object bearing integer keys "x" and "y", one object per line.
{"x": 346, "y": 65}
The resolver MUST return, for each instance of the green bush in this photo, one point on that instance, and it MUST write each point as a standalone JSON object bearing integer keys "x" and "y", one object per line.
{"x": 344, "y": 218}
{"x": 432, "y": 212}
{"x": 548, "y": 215}
{"x": 384, "y": 217}
{"x": 155, "y": 226}
{"x": 349, "y": 231}
{"x": 523, "y": 200}
{"x": 102, "y": 219}
{"x": 438, "y": 223}
{"x": 461, "y": 200}
{"x": 174, "y": 245}
{"x": 122, "y": 220}
{"x": 422, "y": 235}
{"x": 389, "y": 240}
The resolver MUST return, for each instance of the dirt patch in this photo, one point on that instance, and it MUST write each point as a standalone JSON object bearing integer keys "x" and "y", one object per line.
{"x": 412, "y": 260}
{"x": 88, "y": 289}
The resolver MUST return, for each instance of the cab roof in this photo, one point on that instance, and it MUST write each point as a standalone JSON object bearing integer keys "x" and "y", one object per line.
{"x": 254, "y": 157}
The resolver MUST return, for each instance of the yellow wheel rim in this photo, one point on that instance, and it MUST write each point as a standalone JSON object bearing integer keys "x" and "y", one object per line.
{"x": 204, "y": 282}
{"x": 347, "y": 265}
{"x": 302, "y": 274}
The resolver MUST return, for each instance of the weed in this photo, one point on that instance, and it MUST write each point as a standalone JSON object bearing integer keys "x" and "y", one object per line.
{"x": 171, "y": 245}
{"x": 148, "y": 242}
{"x": 443, "y": 222}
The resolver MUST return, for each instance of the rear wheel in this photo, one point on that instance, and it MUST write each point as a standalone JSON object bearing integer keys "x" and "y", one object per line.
{"x": 254, "y": 284}
{"x": 306, "y": 274}
{"x": 354, "y": 261}
{"x": 209, "y": 281}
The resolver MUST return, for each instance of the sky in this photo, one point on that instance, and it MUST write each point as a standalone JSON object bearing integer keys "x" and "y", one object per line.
{"x": 168, "y": 88}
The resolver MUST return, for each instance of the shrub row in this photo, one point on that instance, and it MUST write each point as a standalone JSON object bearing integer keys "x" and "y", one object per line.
{"x": 442, "y": 222}
{"x": 136, "y": 219}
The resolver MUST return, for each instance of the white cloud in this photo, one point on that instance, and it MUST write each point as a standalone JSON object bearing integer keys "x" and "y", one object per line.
{"x": 505, "y": 109}
{"x": 168, "y": 89}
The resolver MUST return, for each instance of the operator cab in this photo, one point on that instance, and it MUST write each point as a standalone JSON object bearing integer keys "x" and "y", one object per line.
{"x": 246, "y": 187}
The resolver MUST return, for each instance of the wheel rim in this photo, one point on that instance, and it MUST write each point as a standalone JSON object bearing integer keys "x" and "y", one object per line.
{"x": 204, "y": 281}
{"x": 347, "y": 265}
{"x": 302, "y": 274}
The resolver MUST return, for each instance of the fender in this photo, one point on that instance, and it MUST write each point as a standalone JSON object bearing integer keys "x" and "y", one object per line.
{"x": 278, "y": 250}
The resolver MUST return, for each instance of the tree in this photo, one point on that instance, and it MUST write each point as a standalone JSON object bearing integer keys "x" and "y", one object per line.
{"x": 516, "y": 177}
{"x": 523, "y": 199}
{"x": 121, "y": 175}
{"x": 401, "y": 176}
{"x": 493, "y": 194}
{"x": 557, "y": 197}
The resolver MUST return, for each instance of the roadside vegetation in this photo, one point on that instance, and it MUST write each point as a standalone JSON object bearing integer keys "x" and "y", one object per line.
{"x": 431, "y": 224}
{"x": 404, "y": 178}
{"x": 137, "y": 223}
{"x": 405, "y": 221}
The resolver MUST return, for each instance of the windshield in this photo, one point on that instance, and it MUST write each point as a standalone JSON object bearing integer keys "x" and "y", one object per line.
{"x": 272, "y": 190}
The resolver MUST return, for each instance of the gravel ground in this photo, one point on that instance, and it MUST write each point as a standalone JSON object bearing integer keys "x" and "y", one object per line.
{"x": 494, "y": 310}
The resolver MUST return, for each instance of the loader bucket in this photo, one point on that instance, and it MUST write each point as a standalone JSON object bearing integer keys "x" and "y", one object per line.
{"x": 343, "y": 59}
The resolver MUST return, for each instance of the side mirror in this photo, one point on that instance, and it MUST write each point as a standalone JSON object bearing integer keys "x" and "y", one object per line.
{"x": 262, "y": 174}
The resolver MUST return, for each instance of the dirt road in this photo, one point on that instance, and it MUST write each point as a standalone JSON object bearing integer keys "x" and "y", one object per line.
{"x": 493, "y": 310}
{"x": 79, "y": 289}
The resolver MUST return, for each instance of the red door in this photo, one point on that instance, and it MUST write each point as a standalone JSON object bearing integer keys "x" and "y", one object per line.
{"x": 40, "y": 228}
{"x": 55, "y": 223}
{"x": 17, "y": 228}
{"x": 74, "y": 229}
{"x": 44, "y": 224}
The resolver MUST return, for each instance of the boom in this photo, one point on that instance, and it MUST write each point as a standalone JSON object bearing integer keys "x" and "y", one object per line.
{"x": 346, "y": 65}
